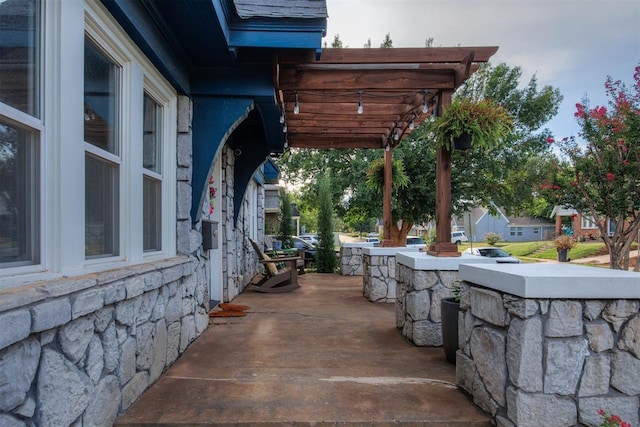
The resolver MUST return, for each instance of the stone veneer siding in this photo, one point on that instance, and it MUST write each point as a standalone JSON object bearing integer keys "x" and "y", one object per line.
{"x": 421, "y": 283}
{"x": 77, "y": 350}
{"x": 418, "y": 295}
{"x": 549, "y": 362}
{"x": 351, "y": 262}
{"x": 379, "y": 273}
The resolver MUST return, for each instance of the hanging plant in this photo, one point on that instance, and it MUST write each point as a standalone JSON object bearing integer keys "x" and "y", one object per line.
{"x": 484, "y": 122}
{"x": 375, "y": 175}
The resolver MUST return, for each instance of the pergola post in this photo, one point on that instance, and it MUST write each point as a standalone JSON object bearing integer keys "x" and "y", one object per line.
{"x": 443, "y": 245}
{"x": 386, "y": 196}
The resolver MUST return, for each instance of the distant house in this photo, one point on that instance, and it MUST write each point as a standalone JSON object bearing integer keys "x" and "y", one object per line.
{"x": 511, "y": 228}
{"x": 570, "y": 221}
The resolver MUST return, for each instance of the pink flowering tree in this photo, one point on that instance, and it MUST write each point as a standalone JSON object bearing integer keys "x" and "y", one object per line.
{"x": 603, "y": 179}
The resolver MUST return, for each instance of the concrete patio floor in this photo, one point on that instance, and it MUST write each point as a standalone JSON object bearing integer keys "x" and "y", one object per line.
{"x": 320, "y": 355}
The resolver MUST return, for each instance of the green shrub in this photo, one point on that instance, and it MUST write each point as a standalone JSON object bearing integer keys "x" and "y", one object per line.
{"x": 492, "y": 238}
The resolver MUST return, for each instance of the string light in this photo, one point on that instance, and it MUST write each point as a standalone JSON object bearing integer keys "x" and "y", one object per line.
{"x": 387, "y": 147}
{"x": 396, "y": 135}
{"x": 412, "y": 124}
{"x": 360, "y": 106}
{"x": 296, "y": 106}
{"x": 425, "y": 107}
{"x": 284, "y": 128}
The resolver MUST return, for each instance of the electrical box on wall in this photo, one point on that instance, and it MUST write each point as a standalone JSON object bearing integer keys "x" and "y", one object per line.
{"x": 209, "y": 234}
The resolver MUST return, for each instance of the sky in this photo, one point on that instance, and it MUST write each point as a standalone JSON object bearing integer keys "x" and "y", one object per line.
{"x": 572, "y": 45}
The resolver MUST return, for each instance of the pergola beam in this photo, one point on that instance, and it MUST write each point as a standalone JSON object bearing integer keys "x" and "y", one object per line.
{"x": 319, "y": 100}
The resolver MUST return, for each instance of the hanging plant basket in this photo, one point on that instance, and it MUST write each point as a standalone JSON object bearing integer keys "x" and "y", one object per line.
{"x": 462, "y": 142}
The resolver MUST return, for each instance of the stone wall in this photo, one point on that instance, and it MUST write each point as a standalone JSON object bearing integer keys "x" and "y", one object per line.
{"x": 351, "y": 261}
{"x": 79, "y": 350}
{"x": 379, "y": 273}
{"x": 418, "y": 296}
{"x": 542, "y": 362}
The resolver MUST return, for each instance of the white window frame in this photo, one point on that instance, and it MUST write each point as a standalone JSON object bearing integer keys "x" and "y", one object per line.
{"x": 35, "y": 124}
{"x": 516, "y": 231}
{"x": 62, "y": 146}
{"x": 587, "y": 222}
{"x": 252, "y": 207}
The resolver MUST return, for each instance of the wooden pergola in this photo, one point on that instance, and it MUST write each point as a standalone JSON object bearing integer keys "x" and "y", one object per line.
{"x": 373, "y": 98}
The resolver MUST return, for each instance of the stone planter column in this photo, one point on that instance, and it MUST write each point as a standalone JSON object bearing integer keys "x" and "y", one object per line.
{"x": 379, "y": 273}
{"x": 550, "y": 344}
{"x": 422, "y": 281}
{"x": 351, "y": 258}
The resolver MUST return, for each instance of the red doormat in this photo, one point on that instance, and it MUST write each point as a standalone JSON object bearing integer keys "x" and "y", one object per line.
{"x": 233, "y": 307}
{"x": 227, "y": 313}
{"x": 230, "y": 310}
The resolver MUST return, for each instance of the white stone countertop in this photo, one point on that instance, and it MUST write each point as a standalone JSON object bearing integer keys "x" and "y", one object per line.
{"x": 356, "y": 245}
{"x": 386, "y": 251}
{"x": 554, "y": 280}
{"x": 422, "y": 261}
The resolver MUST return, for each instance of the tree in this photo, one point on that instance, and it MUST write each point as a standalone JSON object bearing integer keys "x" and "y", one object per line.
{"x": 367, "y": 45}
{"x": 286, "y": 228}
{"x": 337, "y": 43}
{"x": 604, "y": 170}
{"x": 387, "y": 42}
{"x": 326, "y": 257}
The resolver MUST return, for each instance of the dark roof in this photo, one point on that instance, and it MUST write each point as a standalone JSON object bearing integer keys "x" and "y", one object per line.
{"x": 247, "y": 9}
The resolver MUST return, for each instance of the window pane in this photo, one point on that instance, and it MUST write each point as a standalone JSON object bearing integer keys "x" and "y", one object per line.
{"x": 152, "y": 134}
{"x": 101, "y": 208}
{"x": 19, "y": 193}
{"x": 19, "y": 54}
{"x": 100, "y": 99}
{"x": 152, "y": 220}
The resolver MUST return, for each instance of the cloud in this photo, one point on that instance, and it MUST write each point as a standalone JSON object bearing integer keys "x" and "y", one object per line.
{"x": 572, "y": 45}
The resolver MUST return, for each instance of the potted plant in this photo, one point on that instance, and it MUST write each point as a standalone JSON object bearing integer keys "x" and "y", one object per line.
{"x": 563, "y": 244}
{"x": 449, "y": 308}
{"x": 468, "y": 123}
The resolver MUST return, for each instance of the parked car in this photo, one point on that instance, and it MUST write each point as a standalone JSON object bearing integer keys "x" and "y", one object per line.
{"x": 309, "y": 249}
{"x": 416, "y": 242}
{"x": 374, "y": 240}
{"x": 499, "y": 254}
{"x": 311, "y": 238}
{"x": 458, "y": 237}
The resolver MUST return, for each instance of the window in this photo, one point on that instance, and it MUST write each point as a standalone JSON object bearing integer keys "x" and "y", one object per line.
{"x": 102, "y": 172}
{"x": 536, "y": 230}
{"x": 95, "y": 188}
{"x": 515, "y": 231}
{"x": 19, "y": 241}
{"x": 588, "y": 222}
{"x": 20, "y": 132}
{"x": 152, "y": 179}
{"x": 20, "y": 55}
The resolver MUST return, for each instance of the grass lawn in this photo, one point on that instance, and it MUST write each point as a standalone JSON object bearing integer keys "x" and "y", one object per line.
{"x": 541, "y": 250}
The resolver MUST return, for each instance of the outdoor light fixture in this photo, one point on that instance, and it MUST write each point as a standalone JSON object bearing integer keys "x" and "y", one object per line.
{"x": 284, "y": 128}
{"x": 296, "y": 106}
{"x": 360, "y": 107}
{"x": 425, "y": 107}
{"x": 412, "y": 124}
{"x": 387, "y": 147}
{"x": 396, "y": 135}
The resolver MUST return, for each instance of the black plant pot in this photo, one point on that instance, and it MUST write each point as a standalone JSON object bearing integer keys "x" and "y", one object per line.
{"x": 462, "y": 142}
{"x": 563, "y": 255}
{"x": 449, "y": 313}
